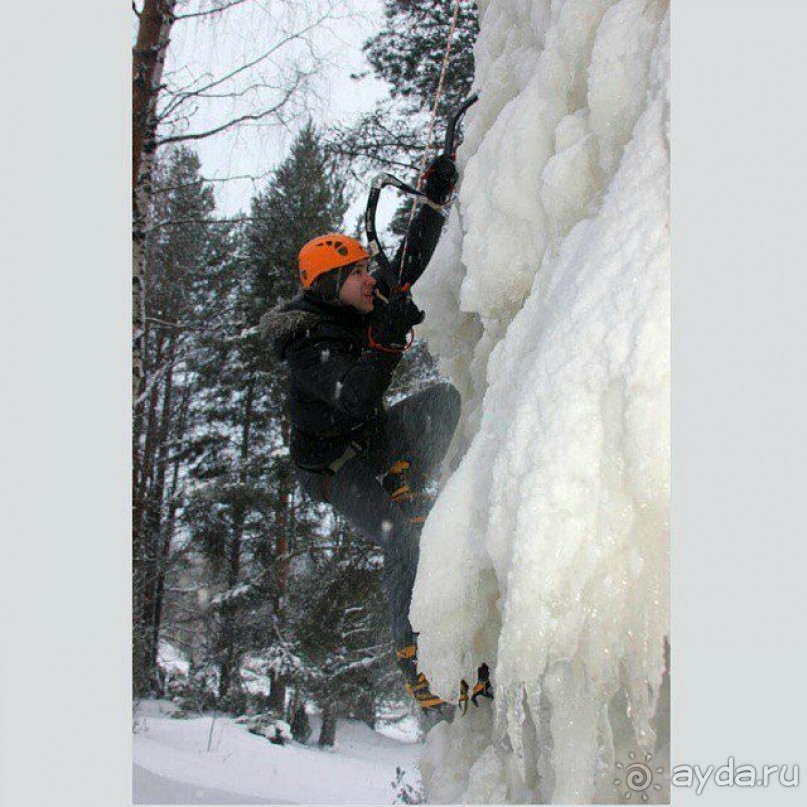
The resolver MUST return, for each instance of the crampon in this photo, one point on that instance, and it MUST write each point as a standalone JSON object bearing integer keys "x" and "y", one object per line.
{"x": 482, "y": 689}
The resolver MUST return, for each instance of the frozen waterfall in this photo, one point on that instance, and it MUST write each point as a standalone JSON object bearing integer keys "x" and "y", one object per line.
{"x": 548, "y": 302}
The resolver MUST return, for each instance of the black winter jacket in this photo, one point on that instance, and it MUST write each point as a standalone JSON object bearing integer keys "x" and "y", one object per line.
{"x": 337, "y": 382}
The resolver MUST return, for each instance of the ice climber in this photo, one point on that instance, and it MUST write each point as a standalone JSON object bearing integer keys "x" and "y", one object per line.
{"x": 342, "y": 338}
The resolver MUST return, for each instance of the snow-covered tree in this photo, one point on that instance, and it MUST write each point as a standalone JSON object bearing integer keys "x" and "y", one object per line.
{"x": 408, "y": 53}
{"x": 246, "y": 510}
{"x": 185, "y": 251}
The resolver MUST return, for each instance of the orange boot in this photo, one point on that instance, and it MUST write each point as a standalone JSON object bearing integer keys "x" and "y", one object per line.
{"x": 417, "y": 685}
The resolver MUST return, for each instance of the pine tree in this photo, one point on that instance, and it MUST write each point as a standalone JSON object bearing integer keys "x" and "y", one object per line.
{"x": 338, "y": 617}
{"x": 305, "y": 198}
{"x": 184, "y": 247}
{"x": 408, "y": 54}
{"x": 246, "y": 513}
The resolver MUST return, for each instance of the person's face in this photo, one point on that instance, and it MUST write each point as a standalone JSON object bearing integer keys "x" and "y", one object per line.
{"x": 357, "y": 290}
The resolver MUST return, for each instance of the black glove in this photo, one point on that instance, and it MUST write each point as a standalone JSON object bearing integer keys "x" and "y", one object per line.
{"x": 439, "y": 178}
{"x": 391, "y": 322}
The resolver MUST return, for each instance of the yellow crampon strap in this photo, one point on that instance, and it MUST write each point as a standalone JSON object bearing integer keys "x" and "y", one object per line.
{"x": 421, "y": 693}
{"x": 479, "y": 689}
{"x": 482, "y": 687}
{"x": 399, "y": 467}
{"x": 420, "y": 686}
{"x": 402, "y": 494}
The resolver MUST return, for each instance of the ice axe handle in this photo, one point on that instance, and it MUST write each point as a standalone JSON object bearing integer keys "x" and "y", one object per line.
{"x": 385, "y": 274}
{"x": 448, "y": 146}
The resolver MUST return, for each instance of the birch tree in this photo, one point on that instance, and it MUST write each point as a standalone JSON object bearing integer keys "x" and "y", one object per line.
{"x": 156, "y": 19}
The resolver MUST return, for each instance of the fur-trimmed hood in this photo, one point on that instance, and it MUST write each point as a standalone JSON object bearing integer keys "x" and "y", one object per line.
{"x": 290, "y": 320}
{"x": 286, "y": 322}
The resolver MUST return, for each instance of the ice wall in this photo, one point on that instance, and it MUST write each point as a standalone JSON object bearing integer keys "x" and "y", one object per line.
{"x": 546, "y": 554}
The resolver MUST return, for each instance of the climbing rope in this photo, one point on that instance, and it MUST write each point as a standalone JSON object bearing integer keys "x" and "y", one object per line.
{"x": 438, "y": 93}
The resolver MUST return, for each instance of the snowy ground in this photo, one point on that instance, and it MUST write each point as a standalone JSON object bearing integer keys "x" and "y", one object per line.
{"x": 171, "y": 764}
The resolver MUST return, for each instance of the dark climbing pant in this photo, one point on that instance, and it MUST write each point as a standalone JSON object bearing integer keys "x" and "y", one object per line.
{"x": 418, "y": 430}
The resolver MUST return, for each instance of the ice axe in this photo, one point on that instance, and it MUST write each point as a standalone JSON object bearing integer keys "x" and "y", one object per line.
{"x": 384, "y": 270}
{"x": 448, "y": 145}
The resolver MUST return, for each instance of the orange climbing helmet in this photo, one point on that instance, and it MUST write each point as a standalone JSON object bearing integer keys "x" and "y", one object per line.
{"x": 327, "y": 252}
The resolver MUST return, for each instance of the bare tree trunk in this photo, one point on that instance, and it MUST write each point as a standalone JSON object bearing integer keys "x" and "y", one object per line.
{"x": 142, "y": 545}
{"x": 148, "y": 57}
{"x": 168, "y": 525}
{"x": 300, "y": 724}
{"x": 327, "y": 734}
{"x": 228, "y": 643}
{"x": 277, "y": 694}
{"x": 365, "y": 701}
{"x": 228, "y": 637}
{"x": 155, "y": 523}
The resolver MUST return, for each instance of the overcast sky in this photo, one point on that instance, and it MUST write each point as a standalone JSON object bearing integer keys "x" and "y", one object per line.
{"x": 215, "y": 46}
